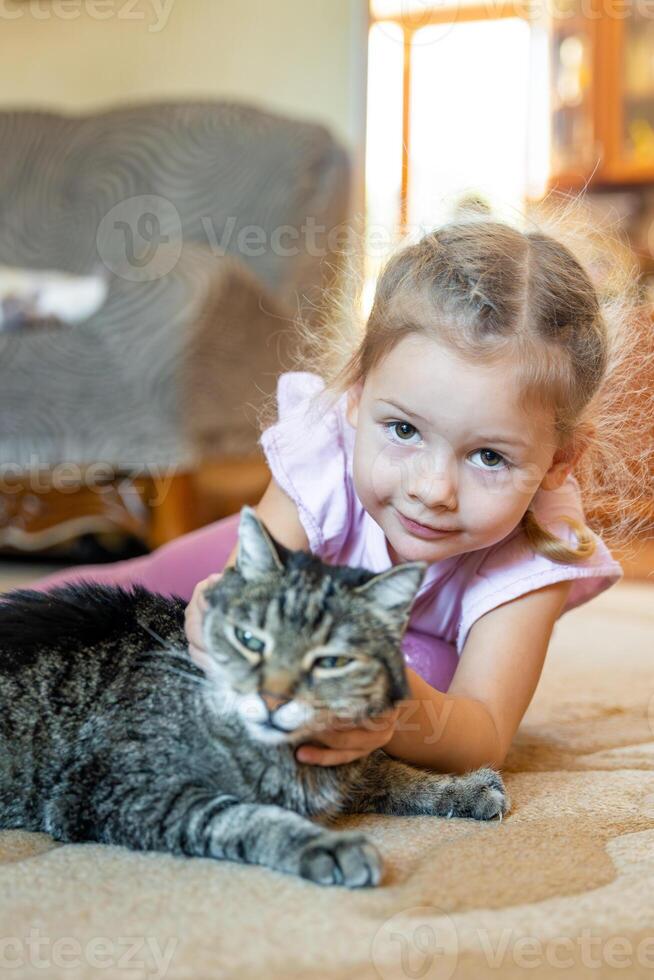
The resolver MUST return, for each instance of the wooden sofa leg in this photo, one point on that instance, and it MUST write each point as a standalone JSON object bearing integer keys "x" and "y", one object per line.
{"x": 219, "y": 487}
{"x": 173, "y": 509}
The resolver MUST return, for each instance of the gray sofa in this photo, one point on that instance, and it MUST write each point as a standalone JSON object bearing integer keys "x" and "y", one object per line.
{"x": 209, "y": 221}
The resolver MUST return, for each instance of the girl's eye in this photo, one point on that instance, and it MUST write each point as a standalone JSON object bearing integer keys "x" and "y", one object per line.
{"x": 402, "y": 430}
{"x": 249, "y": 640}
{"x": 490, "y": 459}
{"x": 330, "y": 662}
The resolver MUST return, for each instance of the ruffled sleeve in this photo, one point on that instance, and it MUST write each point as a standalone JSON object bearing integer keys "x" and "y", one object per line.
{"x": 307, "y": 455}
{"x": 511, "y": 568}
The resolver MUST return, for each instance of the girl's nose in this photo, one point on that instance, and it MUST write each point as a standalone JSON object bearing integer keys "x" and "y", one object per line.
{"x": 435, "y": 484}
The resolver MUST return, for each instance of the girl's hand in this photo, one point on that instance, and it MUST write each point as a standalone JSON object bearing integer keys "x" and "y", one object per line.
{"x": 193, "y": 617}
{"x": 345, "y": 741}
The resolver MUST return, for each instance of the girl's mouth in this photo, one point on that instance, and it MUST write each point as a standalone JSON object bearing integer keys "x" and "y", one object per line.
{"x": 421, "y": 530}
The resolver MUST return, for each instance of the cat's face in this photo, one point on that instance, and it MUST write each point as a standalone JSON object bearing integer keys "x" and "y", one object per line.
{"x": 295, "y": 642}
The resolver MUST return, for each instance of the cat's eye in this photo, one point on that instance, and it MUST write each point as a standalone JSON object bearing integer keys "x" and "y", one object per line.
{"x": 249, "y": 640}
{"x": 329, "y": 663}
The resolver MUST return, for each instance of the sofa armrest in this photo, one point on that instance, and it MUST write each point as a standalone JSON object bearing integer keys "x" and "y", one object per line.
{"x": 241, "y": 339}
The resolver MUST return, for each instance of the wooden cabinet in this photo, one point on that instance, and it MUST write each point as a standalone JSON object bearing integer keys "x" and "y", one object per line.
{"x": 602, "y": 94}
{"x": 574, "y": 147}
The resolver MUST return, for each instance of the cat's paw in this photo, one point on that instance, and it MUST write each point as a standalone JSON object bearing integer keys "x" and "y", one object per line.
{"x": 481, "y": 795}
{"x": 346, "y": 858}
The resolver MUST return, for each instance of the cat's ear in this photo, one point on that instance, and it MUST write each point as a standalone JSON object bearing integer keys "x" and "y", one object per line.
{"x": 257, "y": 555}
{"x": 395, "y": 589}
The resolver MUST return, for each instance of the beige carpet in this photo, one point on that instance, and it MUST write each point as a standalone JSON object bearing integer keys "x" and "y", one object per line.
{"x": 563, "y": 887}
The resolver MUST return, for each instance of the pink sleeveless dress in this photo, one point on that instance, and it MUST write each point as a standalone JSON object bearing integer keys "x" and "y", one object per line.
{"x": 309, "y": 451}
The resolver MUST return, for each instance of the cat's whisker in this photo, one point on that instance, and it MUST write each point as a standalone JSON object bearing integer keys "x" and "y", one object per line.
{"x": 153, "y": 633}
{"x": 170, "y": 651}
{"x": 186, "y": 677}
{"x": 180, "y": 654}
{"x": 168, "y": 664}
{"x": 167, "y": 646}
{"x": 166, "y": 668}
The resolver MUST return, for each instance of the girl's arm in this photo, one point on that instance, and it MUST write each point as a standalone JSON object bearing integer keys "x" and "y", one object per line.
{"x": 279, "y": 514}
{"x": 473, "y": 724}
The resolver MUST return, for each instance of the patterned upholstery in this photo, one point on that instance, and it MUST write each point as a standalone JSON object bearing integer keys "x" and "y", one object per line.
{"x": 194, "y": 212}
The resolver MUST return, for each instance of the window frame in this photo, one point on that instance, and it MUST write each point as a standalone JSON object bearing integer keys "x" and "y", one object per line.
{"x": 491, "y": 10}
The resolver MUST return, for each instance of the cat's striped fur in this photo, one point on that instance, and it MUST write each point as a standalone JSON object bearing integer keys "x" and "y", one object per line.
{"x": 110, "y": 733}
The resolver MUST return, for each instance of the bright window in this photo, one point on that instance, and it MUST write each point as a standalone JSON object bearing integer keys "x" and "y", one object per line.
{"x": 468, "y": 113}
{"x": 456, "y": 113}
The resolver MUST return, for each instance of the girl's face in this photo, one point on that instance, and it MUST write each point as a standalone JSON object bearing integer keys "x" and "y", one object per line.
{"x": 446, "y": 458}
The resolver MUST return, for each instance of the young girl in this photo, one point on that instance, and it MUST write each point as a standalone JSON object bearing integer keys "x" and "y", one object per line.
{"x": 449, "y": 436}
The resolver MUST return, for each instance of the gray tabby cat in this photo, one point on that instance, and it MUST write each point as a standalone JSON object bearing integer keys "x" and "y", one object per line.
{"x": 105, "y": 736}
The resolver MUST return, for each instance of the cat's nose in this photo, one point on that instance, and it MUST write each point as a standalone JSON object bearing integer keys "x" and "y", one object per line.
{"x": 272, "y": 701}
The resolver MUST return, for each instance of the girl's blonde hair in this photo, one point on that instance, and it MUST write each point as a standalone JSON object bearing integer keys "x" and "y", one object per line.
{"x": 574, "y": 325}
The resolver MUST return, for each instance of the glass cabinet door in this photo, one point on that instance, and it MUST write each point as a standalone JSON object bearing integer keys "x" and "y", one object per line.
{"x": 573, "y": 148}
{"x": 637, "y": 109}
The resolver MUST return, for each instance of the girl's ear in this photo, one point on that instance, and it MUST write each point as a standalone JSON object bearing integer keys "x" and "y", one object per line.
{"x": 353, "y": 399}
{"x": 565, "y": 459}
{"x": 558, "y": 471}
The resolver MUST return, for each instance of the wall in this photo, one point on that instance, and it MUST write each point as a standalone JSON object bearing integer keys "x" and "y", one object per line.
{"x": 305, "y": 58}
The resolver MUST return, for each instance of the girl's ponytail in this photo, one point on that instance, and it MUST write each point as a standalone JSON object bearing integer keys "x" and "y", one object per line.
{"x": 550, "y": 546}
